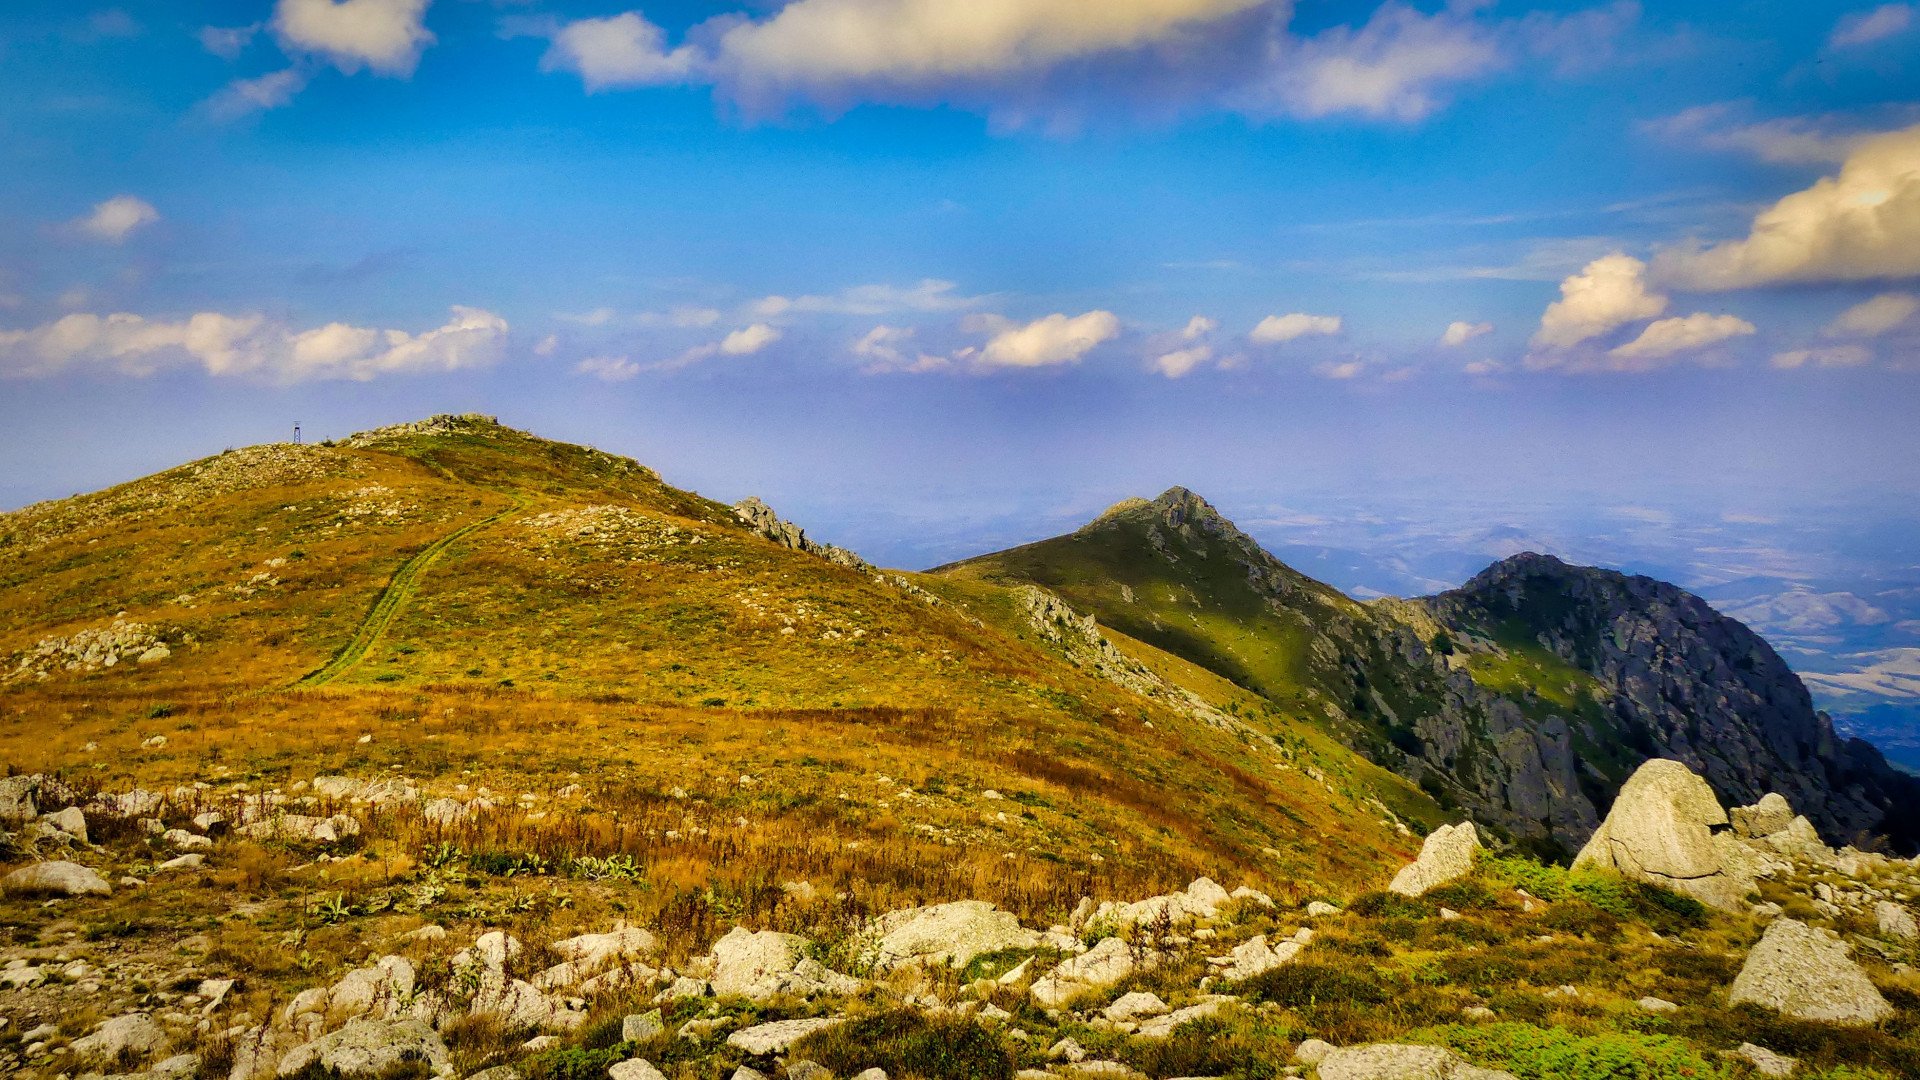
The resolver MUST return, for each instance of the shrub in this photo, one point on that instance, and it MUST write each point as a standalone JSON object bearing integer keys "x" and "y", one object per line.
{"x": 1376, "y": 905}
{"x": 1304, "y": 984}
{"x": 907, "y": 1043}
{"x": 573, "y": 1063}
{"x": 1534, "y": 1053}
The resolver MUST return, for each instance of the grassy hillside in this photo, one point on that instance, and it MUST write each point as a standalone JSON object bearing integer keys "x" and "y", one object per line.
{"x": 463, "y": 604}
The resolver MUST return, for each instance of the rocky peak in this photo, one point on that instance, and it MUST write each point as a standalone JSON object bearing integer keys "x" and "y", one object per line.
{"x": 1178, "y": 509}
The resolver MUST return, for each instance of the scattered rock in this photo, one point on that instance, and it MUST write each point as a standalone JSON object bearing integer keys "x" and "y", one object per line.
{"x": 134, "y": 1035}
{"x": 808, "y": 1070}
{"x": 1768, "y": 816}
{"x": 1446, "y": 855}
{"x": 1312, "y": 1051}
{"x": 55, "y": 879}
{"x": 641, "y": 1027}
{"x": 1656, "y": 1005}
{"x": 1805, "y": 972}
{"x": 1134, "y": 1006}
{"x": 1396, "y": 1061}
{"x": 759, "y": 965}
{"x": 1163, "y": 1027}
{"x": 1254, "y": 957}
{"x": 72, "y": 821}
{"x": 1320, "y": 909}
{"x": 16, "y": 799}
{"x": 635, "y": 1069}
{"x": 1766, "y": 1062}
{"x": 1895, "y": 920}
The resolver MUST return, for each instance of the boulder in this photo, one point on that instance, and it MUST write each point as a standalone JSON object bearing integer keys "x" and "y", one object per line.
{"x": 55, "y": 879}
{"x": 1662, "y": 829}
{"x": 369, "y": 1048}
{"x": 134, "y": 1035}
{"x": 1765, "y": 1062}
{"x": 1805, "y": 972}
{"x": 640, "y": 1027}
{"x": 1320, "y": 909}
{"x": 1134, "y": 1006}
{"x": 1446, "y": 855}
{"x": 1254, "y": 957}
{"x": 1895, "y": 921}
{"x": 951, "y": 934}
{"x": 808, "y": 1070}
{"x": 1103, "y": 965}
{"x": 1163, "y": 1027}
{"x": 1396, "y": 1061}
{"x": 16, "y": 799}
{"x": 776, "y": 1037}
{"x": 381, "y": 990}
{"x": 1200, "y": 900}
{"x": 635, "y": 1069}
{"x": 1768, "y": 816}
{"x": 72, "y": 821}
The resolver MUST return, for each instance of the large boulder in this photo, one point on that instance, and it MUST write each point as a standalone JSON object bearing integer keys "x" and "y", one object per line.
{"x": 1805, "y": 972}
{"x": 776, "y": 1037}
{"x": 1446, "y": 855}
{"x": 950, "y": 934}
{"x": 369, "y": 1048}
{"x": 1768, "y": 816}
{"x": 55, "y": 879}
{"x": 16, "y": 799}
{"x": 1667, "y": 828}
{"x": 1101, "y": 966}
{"x": 1398, "y": 1061}
{"x": 1200, "y": 900}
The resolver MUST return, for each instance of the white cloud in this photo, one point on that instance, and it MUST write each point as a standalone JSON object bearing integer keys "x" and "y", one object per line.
{"x": 1669, "y": 337}
{"x": 1055, "y": 339}
{"x": 383, "y": 35}
{"x": 748, "y": 341}
{"x": 118, "y": 218}
{"x": 824, "y": 43}
{"x": 1182, "y": 361}
{"x": 243, "y": 97}
{"x": 1394, "y": 67}
{"x": 1198, "y": 327}
{"x": 227, "y": 42}
{"x": 1277, "y": 328}
{"x": 1867, "y": 27}
{"x": 1484, "y": 368}
{"x": 1860, "y": 225}
{"x": 1608, "y": 293}
{"x": 1870, "y": 318}
{"x": 1340, "y": 371}
{"x": 1459, "y": 333}
{"x": 618, "y": 51}
{"x": 930, "y": 295}
{"x": 609, "y": 368}
{"x": 1790, "y": 140}
{"x": 250, "y": 345}
{"x": 1832, "y": 356}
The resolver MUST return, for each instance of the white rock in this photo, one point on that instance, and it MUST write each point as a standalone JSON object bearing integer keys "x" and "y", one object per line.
{"x": 1805, "y": 972}
{"x": 55, "y": 879}
{"x": 1447, "y": 854}
{"x": 1656, "y": 1005}
{"x": 132, "y": 1035}
{"x": 1395, "y": 1061}
{"x": 951, "y": 934}
{"x": 635, "y": 1069}
{"x": 72, "y": 821}
{"x": 1103, "y": 965}
{"x": 1134, "y": 1006}
{"x": 367, "y": 1048}
{"x": 1661, "y": 830}
{"x": 1163, "y": 1027}
{"x": 1766, "y": 1062}
{"x": 1895, "y": 920}
{"x": 1320, "y": 909}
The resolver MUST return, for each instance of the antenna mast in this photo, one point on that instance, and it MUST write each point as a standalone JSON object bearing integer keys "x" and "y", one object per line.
{"x": 296, "y": 433}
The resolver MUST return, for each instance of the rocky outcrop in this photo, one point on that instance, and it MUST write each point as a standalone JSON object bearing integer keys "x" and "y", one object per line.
{"x": 1667, "y": 828}
{"x": 761, "y": 964}
{"x": 764, "y": 523}
{"x": 1396, "y": 1061}
{"x": 368, "y": 1048}
{"x": 1685, "y": 682}
{"x": 1446, "y": 855}
{"x": 776, "y": 1037}
{"x": 1101, "y": 966}
{"x": 1806, "y": 972}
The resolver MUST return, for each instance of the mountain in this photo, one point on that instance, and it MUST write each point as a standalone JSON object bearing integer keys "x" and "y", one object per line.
{"x": 1526, "y": 697}
{"x": 467, "y": 605}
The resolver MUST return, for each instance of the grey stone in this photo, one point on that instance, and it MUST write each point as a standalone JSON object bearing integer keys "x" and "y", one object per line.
{"x": 776, "y": 1037}
{"x": 808, "y": 1070}
{"x": 1661, "y": 831}
{"x": 634, "y": 1069}
{"x": 639, "y": 1028}
{"x": 1320, "y": 909}
{"x": 72, "y": 821}
{"x": 131, "y": 1035}
{"x": 1134, "y": 1006}
{"x": 1312, "y": 1051}
{"x": 1766, "y": 1062}
{"x": 17, "y": 799}
{"x": 1805, "y": 972}
{"x": 1895, "y": 920}
{"x": 369, "y": 1048}
{"x": 1768, "y": 816}
{"x": 1103, "y": 965}
{"x": 1395, "y": 1061}
{"x": 951, "y": 934}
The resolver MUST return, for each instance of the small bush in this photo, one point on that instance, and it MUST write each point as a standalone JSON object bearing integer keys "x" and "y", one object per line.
{"x": 908, "y": 1043}
{"x": 1377, "y": 905}
{"x": 1555, "y": 1053}
{"x": 1304, "y": 984}
{"x": 573, "y": 1063}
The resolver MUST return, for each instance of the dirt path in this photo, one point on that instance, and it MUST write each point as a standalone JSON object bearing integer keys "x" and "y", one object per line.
{"x": 399, "y": 589}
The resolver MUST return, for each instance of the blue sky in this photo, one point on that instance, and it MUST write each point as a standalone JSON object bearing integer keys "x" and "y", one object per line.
{"x": 934, "y": 277}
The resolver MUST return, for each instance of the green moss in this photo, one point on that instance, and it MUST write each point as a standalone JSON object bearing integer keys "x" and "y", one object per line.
{"x": 1554, "y": 1053}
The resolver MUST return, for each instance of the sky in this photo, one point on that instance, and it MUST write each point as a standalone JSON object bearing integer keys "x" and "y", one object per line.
{"x": 937, "y": 277}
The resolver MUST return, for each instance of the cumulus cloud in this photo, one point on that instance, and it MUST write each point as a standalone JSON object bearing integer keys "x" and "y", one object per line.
{"x": 742, "y": 342}
{"x": 829, "y": 43}
{"x": 1055, "y": 339}
{"x": 385, "y": 36}
{"x": 1339, "y": 370}
{"x": 244, "y": 97}
{"x": 1608, "y": 293}
{"x": 619, "y": 51}
{"x": 1862, "y": 224}
{"x": 930, "y": 295}
{"x": 1830, "y": 357}
{"x": 1669, "y": 337}
{"x": 250, "y": 345}
{"x": 227, "y": 42}
{"x": 1870, "y": 318}
{"x": 1393, "y": 67}
{"x": 1459, "y": 333}
{"x": 1180, "y": 362}
{"x": 118, "y": 218}
{"x": 749, "y": 340}
{"x": 1868, "y": 27}
{"x": 1198, "y": 327}
{"x": 1278, "y": 328}
{"x": 1484, "y": 368}
{"x": 889, "y": 348}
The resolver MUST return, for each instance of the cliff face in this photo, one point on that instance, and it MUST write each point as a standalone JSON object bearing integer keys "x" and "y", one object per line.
{"x": 1683, "y": 681}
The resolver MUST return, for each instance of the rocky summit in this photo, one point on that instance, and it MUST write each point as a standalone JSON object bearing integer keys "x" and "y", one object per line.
{"x": 446, "y": 751}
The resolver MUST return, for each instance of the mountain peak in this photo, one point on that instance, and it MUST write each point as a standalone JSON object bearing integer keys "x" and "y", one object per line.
{"x": 1176, "y": 506}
